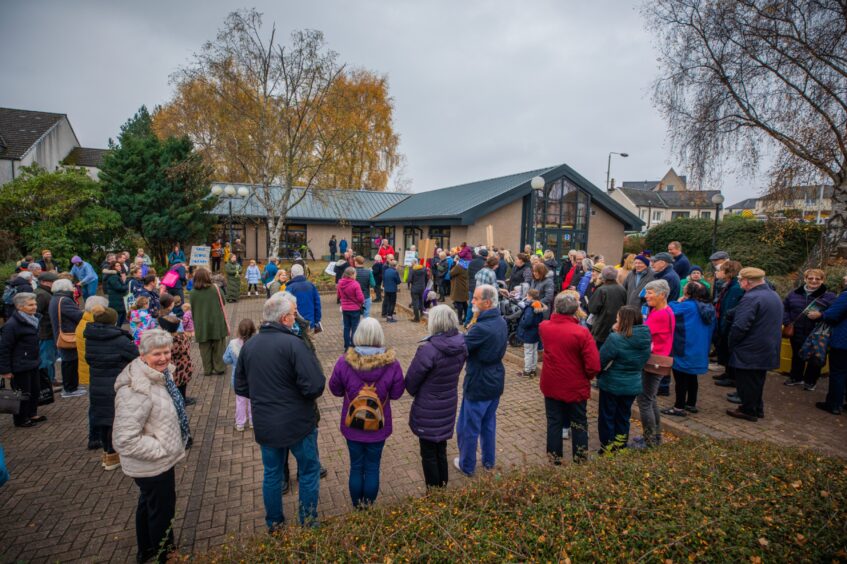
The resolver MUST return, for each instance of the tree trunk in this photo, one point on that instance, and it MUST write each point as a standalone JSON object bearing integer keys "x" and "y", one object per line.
{"x": 835, "y": 238}
{"x": 276, "y": 235}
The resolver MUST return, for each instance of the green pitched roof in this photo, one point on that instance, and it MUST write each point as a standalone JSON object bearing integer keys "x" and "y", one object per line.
{"x": 465, "y": 203}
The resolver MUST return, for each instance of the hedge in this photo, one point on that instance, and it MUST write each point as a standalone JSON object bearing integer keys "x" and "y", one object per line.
{"x": 778, "y": 247}
{"x": 692, "y": 500}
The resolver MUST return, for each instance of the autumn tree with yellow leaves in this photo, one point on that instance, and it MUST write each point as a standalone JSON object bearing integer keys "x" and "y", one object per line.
{"x": 288, "y": 119}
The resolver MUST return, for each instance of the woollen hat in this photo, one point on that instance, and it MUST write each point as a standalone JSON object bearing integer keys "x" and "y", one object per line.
{"x": 697, "y": 268}
{"x": 169, "y": 323}
{"x": 643, "y": 259}
{"x": 752, "y": 273}
{"x": 664, "y": 257}
{"x": 483, "y": 252}
{"x": 107, "y": 316}
{"x": 76, "y": 259}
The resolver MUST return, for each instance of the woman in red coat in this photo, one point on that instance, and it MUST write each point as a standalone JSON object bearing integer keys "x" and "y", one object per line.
{"x": 571, "y": 361}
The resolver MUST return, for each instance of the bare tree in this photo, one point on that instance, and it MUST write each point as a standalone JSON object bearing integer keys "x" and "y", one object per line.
{"x": 262, "y": 122}
{"x": 740, "y": 77}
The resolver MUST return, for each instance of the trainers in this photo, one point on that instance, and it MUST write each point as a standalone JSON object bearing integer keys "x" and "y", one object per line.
{"x": 792, "y": 382}
{"x": 111, "y": 461}
{"x": 808, "y": 388}
{"x": 458, "y": 466}
{"x": 239, "y": 427}
{"x": 566, "y": 433}
{"x": 74, "y": 394}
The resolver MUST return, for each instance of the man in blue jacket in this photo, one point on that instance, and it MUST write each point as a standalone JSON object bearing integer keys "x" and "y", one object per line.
{"x": 484, "y": 382}
{"x": 754, "y": 341}
{"x": 308, "y": 298}
{"x": 85, "y": 276}
{"x": 270, "y": 273}
{"x": 836, "y": 316}
{"x": 681, "y": 264}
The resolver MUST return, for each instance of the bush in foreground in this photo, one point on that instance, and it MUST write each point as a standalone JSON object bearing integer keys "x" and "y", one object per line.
{"x": 694, "y": 500}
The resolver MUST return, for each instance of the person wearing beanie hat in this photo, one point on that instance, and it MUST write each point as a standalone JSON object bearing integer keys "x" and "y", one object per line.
{"x": 86, "y": 277}
{"x": 695, "y": 275}
{"x": 637, "y": 280}
{"x": 755, "y": 339}
{"x": 108, "y": 349}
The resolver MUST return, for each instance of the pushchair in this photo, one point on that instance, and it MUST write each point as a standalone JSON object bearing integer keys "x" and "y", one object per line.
{"x": 511, "y": 311}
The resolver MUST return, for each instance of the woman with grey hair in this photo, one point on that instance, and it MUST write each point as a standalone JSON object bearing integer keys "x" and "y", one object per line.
{"x": 151, "y": 434}
{"x": 19, "y": 358}
{"x": 64, "y": 308}
{"x": 662, "y": 324}
{"x": 433, "y": 380}
{"x": 368, "y": 376}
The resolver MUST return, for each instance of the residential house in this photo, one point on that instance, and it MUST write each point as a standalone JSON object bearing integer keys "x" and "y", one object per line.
{"x": 28, "y": 137}
{"x": 811, "y": 203}
{"x": 658, "y": 201}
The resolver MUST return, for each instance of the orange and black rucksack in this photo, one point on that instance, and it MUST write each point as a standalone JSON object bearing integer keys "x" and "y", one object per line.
{"x": 365, "y": 410}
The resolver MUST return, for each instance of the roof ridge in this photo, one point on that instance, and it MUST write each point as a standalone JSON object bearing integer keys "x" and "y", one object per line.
{"x": 540, "y": 171}
{"x": 312, "y": 188}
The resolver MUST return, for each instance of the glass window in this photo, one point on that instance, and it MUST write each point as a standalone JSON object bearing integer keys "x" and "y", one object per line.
{"x": 657, "y": 216}
{"x": 411, "y": 236}
{"x": 441, "y": 236}
{"x": 362, "y": 240}
{"x": 677, "y": 214}
{"x": 706, "y": 214}
{"x": 293, "y": 239}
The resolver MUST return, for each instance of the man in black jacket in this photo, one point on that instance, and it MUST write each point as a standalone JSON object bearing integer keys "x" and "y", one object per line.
{"x": 283, "y": 378}
{"x": 46, "y": 345}
{"x": 754, "y": 341}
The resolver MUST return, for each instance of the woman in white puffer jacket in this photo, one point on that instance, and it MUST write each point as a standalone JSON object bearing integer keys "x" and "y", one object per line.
{"x": 151, "y": 434}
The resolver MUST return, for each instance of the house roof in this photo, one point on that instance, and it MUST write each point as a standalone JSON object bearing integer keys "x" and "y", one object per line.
{"x": 693, "y": 199}
{"x": 317, "y": 205}
{"x": 809, "y": 192}
{"x": 20, "y": 130}
{"x": 644, "y": 185}
{"x": 748, "y": 204}
{"x": 465, "y": 203}
{"x": 85, "y": 156}
{"x": 456, "y": 202}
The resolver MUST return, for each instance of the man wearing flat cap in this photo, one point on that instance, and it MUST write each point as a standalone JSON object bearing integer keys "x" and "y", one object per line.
{"x": 754, "y": 341}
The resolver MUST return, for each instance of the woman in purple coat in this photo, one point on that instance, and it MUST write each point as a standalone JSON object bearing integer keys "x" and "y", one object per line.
{"x": 433, "y": 380}
{"x": 803, "y": 309}
{"x": 368, "y": 376}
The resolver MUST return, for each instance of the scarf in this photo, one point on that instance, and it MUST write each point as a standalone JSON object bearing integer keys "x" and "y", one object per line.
{"x": 31, "y": 319}
{"x": 179, "y": 404}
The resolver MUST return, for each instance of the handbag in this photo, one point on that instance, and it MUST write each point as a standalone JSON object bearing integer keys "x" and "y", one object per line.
{"x": 170, "y": 278}
{"x": 66, "y": 340}
{"x": 10, "y": 400}
{"x": 788, "y": 330}
{"x": 659, "y": 364}
{"x": 45, "y": 392}
{"x": 816, "y": 345}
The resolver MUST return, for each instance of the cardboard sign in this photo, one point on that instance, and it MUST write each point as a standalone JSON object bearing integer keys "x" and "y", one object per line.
{"x": 489, "y": 237}
{"x": 427, "y": 249}
{"x": 199, "y": 256}
{"x": 410, "y": 258}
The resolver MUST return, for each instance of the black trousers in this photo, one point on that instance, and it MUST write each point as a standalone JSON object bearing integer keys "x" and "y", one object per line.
{"x": 417, "y": 303}
{"x": 106, "y": 438}
{"x": 216, "y": 264}
{"x": 434, "y": 460}
{"x": 154, "y": 516}
{"x": 559, "y": 415}
{"x": 378, "y": 290}
{"x": 389, "y": 303}
{"x": 686, "y": 387}
{"x": 808, "y": 372}
{"x": 28, "y": 383}
{"x": 70, "y": 375}
{"x": 751, "y": 386}
{"x": 445, "y": 289}
{"x": 461, "y": 310}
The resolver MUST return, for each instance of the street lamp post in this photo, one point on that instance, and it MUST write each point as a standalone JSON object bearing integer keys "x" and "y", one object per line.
{"x": 717, "y": 199}
{"x": 609, "y": 167}
{"x": 231, "y": 193}
{"x": 537, "y": 183}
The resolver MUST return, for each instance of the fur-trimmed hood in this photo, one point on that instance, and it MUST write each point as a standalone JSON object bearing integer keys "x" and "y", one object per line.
{"x": 364, "y": 363}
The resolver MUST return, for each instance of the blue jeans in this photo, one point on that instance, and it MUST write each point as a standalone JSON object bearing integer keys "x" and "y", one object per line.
{"x": 367, "y": 312}
{"x": 351, "y": 322}
{"x": 477, "y": 422}
{"x": 469, "y": 313}
{"x": 837, "y": 376}
{"x": 47, "y": 354}
{"x": 308, "y": 475}
{"x": 365, "y": 459}
{"x": 613, "y": 419}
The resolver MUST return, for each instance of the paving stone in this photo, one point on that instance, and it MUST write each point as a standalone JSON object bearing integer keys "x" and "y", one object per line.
{"x": 61, "y": 506}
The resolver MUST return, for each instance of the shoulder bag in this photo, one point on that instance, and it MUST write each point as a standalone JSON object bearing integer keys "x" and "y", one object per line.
{"x": 659, "y": 364}
{"x": 788, "y": 330}
{"x": 223, "y": 307}
{"x": 65, "y": 341}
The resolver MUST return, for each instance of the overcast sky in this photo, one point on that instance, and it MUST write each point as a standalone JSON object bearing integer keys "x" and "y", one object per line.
{"x": 481, "y": 88}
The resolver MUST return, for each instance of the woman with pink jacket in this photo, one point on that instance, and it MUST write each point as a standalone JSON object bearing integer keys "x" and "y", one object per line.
{"x": 352, "y": 301}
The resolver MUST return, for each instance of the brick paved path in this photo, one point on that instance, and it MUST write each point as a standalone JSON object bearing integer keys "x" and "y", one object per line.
{"x": 60, "y": 505}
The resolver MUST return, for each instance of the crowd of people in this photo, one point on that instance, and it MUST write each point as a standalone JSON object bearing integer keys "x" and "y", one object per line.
{"x": 625, "y": 329}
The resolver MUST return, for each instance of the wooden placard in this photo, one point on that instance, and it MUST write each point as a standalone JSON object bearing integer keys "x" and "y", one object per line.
{"x": 427, "y": 247}
{"x": 489, "y": 236}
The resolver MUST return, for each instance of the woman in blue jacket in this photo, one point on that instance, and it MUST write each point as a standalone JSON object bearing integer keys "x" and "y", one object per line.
{"x": 728, "y": 298}
{"x": 836, "y": 317}
{"x": 695, "y": 322}
{"x": 622, "y": 358}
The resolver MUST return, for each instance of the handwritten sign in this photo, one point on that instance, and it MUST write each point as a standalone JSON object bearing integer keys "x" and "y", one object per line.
{"x": 199, "y": 255}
